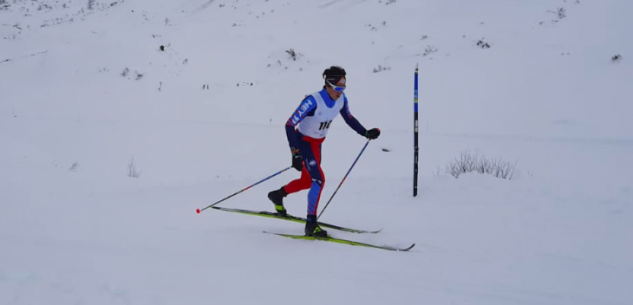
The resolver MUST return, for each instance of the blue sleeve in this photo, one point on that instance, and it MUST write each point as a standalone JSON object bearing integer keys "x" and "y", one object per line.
{"x": 351, "y": 120}
{"x": 306, "y": 108}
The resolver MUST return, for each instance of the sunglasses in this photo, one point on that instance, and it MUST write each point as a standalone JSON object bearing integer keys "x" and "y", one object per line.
{"x": 336, "y": 88}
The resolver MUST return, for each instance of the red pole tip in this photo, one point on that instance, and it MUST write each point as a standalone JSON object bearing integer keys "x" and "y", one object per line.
{"x": 198, "y": 211}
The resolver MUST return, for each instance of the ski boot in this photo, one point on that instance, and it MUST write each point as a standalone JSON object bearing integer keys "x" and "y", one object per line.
{"x": 277, "y": 197}
{"x": 313, "y": 228}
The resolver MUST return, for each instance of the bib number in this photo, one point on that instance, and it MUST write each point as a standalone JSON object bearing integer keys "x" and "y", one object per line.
{"x": 325, "y": 125}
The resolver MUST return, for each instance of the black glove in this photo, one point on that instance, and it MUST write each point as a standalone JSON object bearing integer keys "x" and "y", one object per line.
{"x": 297, "y": 161}
{"x": 372, "y": 134}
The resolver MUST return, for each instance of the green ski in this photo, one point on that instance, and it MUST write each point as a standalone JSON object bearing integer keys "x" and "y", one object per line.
{"x": 292, "y": 218}
{"x": 342, "y": 241}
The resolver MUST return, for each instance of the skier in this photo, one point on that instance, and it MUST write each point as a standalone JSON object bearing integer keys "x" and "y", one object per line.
{"x": 306, "y": 130}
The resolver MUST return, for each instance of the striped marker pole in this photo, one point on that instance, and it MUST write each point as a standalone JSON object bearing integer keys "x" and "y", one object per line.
{"x": 415, "y": 133}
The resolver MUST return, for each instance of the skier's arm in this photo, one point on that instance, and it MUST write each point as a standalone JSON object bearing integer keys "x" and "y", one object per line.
{"x": 351, "y": 120}
{"x": 306, "y": 108}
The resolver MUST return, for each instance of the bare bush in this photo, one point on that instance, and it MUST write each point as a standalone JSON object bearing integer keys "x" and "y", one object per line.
{"x": 429, "y": 50}
{"x": 561, "y": 13}
{"x": 469, "y": 162}
{"x": 136, "y": 75}
{"x": 132, "y": 171}
{"x": 381, "y": 68}
{"x": 483, "y": 44}
{"x": 293, "y": 54}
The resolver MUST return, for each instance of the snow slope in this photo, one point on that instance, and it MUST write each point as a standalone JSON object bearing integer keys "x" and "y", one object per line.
{"x": 87, "y": 98}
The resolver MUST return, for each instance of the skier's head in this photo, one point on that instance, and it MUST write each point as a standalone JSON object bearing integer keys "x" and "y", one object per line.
{"x": 335, "y": 81}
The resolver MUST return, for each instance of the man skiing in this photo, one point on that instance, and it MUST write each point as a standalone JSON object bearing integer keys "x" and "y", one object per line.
{"x": 306, "y": 130}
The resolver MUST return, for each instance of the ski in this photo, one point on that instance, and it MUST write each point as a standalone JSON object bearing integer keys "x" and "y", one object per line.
{"x": 292, "y": 218}
{"x": 342, "y": 241}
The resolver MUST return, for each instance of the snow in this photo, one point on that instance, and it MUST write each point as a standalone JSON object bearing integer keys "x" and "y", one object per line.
{"x": 76, "y": 229}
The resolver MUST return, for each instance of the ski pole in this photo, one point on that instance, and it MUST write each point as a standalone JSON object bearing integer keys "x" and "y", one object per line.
{"x": 339, "y": 186}
{"x": 246, "y": 188}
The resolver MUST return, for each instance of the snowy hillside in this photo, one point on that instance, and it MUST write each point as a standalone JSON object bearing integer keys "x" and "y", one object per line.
{"x": 119, "y": 118}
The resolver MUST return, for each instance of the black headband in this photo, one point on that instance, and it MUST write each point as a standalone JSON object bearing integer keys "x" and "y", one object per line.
{"x": 333, "y": 79}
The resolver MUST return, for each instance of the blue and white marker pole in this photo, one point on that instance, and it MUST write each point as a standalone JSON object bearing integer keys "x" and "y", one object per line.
{"x": 415, "y": 133}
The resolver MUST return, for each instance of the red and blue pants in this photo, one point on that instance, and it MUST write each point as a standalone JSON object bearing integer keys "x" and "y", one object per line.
{"x": 312, "y": 176}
